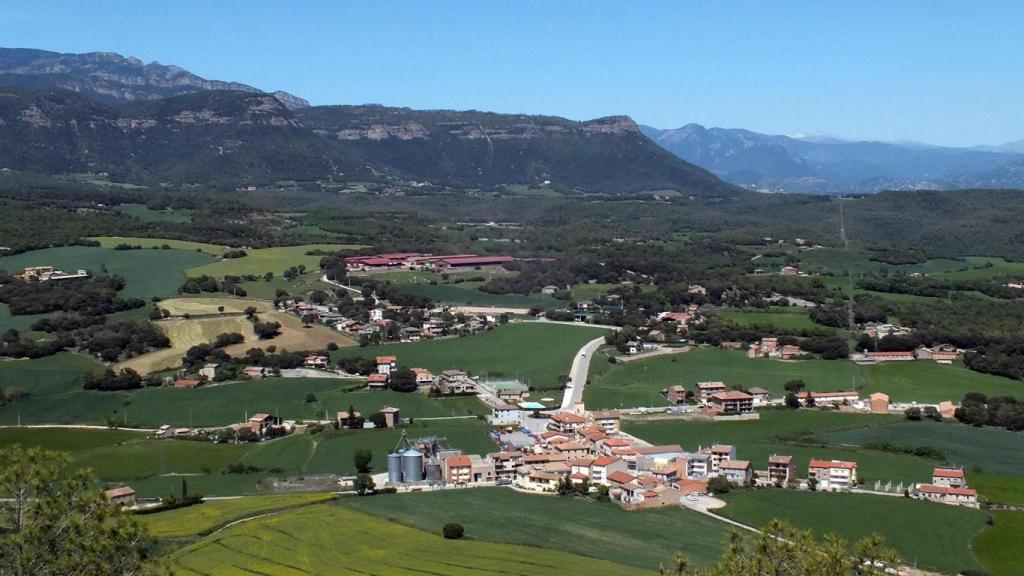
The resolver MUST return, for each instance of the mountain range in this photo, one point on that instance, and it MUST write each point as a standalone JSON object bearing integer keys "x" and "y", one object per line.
{"x": 149, "y": 123}
{"x": 826, "y": 165}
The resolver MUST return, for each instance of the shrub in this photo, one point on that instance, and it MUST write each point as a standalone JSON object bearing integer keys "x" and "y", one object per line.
{"x": 453, "y": 531}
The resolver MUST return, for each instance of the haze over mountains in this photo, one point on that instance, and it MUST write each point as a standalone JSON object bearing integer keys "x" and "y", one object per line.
{"x": 825, "y": 165}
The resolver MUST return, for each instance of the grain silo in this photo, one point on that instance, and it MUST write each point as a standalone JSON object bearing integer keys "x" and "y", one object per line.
{"x": 395, "y": 468}
{"x": 412, "y": 466}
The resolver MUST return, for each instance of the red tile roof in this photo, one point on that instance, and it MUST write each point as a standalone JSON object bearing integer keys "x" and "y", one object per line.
{"x": 832, "y": 464}
{"x": 948, "y": 473}
{"x": 620, "y": 477}
{"x": 460, "y": 461}
{"x": 604, "y": 461}
{"x": 568, "y": 418}
{"x": 932, "y": 489}
{"x": 731, "y": 396}
{"x": 386, "y": 359}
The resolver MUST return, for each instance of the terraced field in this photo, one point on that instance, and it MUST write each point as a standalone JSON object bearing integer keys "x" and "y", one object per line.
{"x": 329, "y": 539}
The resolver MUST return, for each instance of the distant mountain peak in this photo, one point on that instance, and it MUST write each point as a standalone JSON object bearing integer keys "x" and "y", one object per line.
{"x": 111, "y": 77}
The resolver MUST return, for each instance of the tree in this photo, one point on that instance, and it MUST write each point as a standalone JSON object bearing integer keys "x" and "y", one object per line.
{"x": 364, "y": 485}
{"x": 781, "y": 548}
{"x": 792, "y": 401}
{"x": 453, "y": 531}
{"x": 53, "y": 521}
{"x": 719, "y": 485}
{"x": 913, "y": 413}
{"x": 184, "y": 488}
{"x": 361, "y": 458}
{"x": 794, "y": 386}
{"x": 403, "y": 380}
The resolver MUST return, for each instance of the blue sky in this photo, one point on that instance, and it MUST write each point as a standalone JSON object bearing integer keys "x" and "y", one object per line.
{"x": 942, "y": 72}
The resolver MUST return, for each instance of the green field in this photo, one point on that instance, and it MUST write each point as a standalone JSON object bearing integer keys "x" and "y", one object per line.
{"x": 839, "y": 260}
{"x": 536, "y": 353}
{"x": 329, "y": 539}
{"x": 142, "y": 212}
{"x": 999, "y": 546}
{"x": 146, "y": 272}
{"x": 591, "y": 291}
{"x": 980, "y": 267}
{"x": 784, "y": 320}
{"x": 212, "y": 514}
{"x": 643, "y": 539}
{"x": 639, "y": 383}
{"x": 57, "y": 398}
{"x": 156, "y": 467}
{"x": 926, "y": 534}
{"x": 787, "y": 432}
{"x": 111, "y": 241}
{"x": 1007, "y": 490}
{"x": 334, "y": 448}
{"x": 19, "y": 323}
{"x": 259, "y": 261}
{"x": 994, "y": 450}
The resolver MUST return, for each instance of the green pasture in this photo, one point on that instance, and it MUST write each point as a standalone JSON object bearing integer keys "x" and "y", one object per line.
{"x": 259, "y": 261}
{"x": 146, "y": 272}
{"x": 998, "y": 547}
{"x": 992, "y": 450}
{"x": 57, "y": 398}
{"x": 330, "y": 539}
{"x": 144, "y": 213}
{"x": 926, "y": 534}
{"x": 643, "y": 539}
{"x": 536, "y": 353}
{"x": 212, "y": 514}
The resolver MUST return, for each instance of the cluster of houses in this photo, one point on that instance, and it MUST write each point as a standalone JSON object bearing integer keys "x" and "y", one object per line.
{"x": 770, "y": 348}
{"x": 257, "y": 427}
{"x": 948, "y": 486}
{"x": 942, "y": 354}
{"x": 47, "y": 273}
{"x": 420, "y": 261}
{"x": 434, "y": 323}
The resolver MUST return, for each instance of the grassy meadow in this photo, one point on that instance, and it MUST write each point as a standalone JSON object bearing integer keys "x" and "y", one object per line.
{"x": 146, "y": 272}
{"x": 643, "y": 539}
{"x": 784, "y": 320}
{"x": 992, "y": 450}
{"x": 144, "y": 213}
{"x": 998, "y": 547}
{"x": 259, "y": 261}
{"x": 156, "y": 467}
{"x": 212, "y": 514}
{"x": 58, "y": 398}
{"x": 298, "y": 542}
{"x": 534, "y": 352}
{"x": 640, "y": 383}
{"x": 925, "y": 534}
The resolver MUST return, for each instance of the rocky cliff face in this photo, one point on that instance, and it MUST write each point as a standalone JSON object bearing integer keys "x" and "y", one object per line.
{"x": 111, "y": 77}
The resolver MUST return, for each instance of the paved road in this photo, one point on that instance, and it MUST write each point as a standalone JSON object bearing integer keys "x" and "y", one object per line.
{"x": 578, "y": 373}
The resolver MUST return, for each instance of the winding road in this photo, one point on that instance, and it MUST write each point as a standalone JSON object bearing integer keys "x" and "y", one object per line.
{"x": 578, "y": 373}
